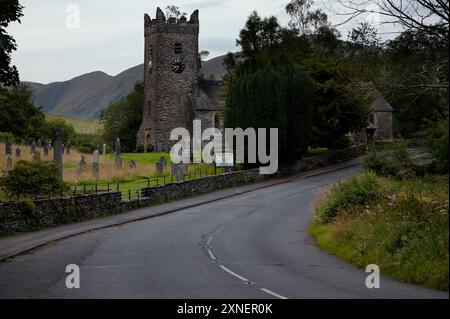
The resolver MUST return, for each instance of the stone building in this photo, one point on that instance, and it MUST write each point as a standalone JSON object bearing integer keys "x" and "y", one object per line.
{"x": 174, "y": 96}
{"x": 381, "y": 116}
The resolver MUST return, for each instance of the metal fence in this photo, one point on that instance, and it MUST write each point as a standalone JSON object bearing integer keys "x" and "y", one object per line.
{"x": 132, "y": 189}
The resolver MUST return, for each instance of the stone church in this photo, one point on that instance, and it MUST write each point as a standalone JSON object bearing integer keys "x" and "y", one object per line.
{"x": 174, "y": 95}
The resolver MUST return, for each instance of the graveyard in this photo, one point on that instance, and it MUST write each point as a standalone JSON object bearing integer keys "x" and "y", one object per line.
{"x": 138, "y": 169}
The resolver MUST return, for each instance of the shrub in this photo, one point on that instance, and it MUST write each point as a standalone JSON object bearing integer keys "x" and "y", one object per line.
{"x": 357, "y": 191}
{"x": 394, "y": 162}
{"x": 440, "y": 147}
{"x": 33, "y": 178}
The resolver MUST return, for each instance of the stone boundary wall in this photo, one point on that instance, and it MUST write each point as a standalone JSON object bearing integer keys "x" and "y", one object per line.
{"x": 32, "y": 216}
{"x": 324, "y": 160}
{"x": 39, "y": 214}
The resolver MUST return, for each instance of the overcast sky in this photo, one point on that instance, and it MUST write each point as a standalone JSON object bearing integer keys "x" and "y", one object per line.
{"x": 110, "y": 33}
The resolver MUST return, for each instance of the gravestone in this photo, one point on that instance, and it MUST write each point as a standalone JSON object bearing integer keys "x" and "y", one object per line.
{"x": 82, "y": 166}
{"x": 46, "y": 149}
{"x": 37, "y": 155}
{"x": 163, "y": 162}
{"x": 181, "y": 172}
{"x": 18, "y": 152}
{"x": 8, "y": 147}
{"x": 178, "y": 170}
{"x": 33, "y": 148}
{"x": 58, "y": 152}
{"x": 118, "y": 159}
{"x": 132, "y": 164}
{"x": 96, "y": 164}
{"x": 104, "y": 149}
{"x": 159, "y": 169}
{"x": 9, "y": 163}
{"x": 173, "y": 169}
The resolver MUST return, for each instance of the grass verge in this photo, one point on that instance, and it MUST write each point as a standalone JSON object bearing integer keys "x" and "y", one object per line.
{"x": 402, "y": 226}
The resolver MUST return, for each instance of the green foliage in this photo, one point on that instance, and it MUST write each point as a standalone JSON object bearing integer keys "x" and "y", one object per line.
{"x": 441, "y": 148}
{"x": 68, "y": 132}
{"x": 123, "y": 119}
{"x": 259, "y": 34}
{"x": 403, "y": 227}
{"x": 32, "y": 178}
{"x": 358, "y": 191}
{"x": 19, "y": 116}
{"x": 395, "y": 161}
{"x": 338, "y": 110}
{"x": 272, "y": 95}
{"x": 11, "y": 12}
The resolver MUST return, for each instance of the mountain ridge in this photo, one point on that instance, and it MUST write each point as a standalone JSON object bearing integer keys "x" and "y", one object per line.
{"x": 87, "y": 95}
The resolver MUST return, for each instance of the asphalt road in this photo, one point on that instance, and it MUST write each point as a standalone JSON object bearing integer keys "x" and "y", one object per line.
{"x": 254, "y": 245}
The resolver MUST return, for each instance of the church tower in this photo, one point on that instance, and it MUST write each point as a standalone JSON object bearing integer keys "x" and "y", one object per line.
{"x": 170, "y": 77}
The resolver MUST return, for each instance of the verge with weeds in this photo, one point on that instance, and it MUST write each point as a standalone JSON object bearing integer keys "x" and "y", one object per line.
{"x": 400, "y": 225}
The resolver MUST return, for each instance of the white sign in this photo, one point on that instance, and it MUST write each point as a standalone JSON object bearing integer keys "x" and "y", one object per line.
{"x": 225, "y": 159}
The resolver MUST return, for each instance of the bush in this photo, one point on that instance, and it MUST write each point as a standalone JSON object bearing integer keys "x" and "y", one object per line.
{"x": 33, "y": 178}
{"x": 440, "y": 147}
{"x": 355, "y": 192}
{"x": 394, "y": 162}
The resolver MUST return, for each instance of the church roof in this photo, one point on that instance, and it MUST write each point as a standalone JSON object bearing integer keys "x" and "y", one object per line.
{"x": 379, "y": 103}
{"x": 207, "y": 97}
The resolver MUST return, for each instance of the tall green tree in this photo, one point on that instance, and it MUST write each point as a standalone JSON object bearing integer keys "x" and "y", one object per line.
{"x": 11, "y": 11}
{"x": 122, "y": 119}
{"x": 259, "y": 34}
{"x": 19, "y": 116}
{"x": 272, "y": 95}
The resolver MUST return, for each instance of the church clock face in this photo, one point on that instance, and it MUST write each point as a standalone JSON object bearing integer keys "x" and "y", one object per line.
{"x": 178, "y": 66}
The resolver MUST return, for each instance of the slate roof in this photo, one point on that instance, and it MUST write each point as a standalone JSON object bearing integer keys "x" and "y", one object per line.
{"x": 379, "y": 103}
{"x": 207, "y": 97}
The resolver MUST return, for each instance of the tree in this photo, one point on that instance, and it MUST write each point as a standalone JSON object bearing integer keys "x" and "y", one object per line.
{"x": 259, "y": 34}
{"x": 174, "y": 11}
{"x": 203, "y": 54}
{"x": 272, "y": 95}
{"x": 11, "y": 12}
{"x": 229, "y": 62}
{"x": 19, "y": 115}
{"x": 420, "y": 18}
{"x": 123, "y": 119}
{"x": 338, "y": 110}
{"x": 68, "y": 132}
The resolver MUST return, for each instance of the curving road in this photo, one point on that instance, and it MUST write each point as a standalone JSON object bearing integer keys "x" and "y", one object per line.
{"x": 254, "y": 245}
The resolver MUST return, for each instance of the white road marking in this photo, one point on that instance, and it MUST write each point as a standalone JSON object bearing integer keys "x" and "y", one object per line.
{"x": 234, "y": 274}
{"x": 273, "y": 293}
{"x": 211, "y": 255}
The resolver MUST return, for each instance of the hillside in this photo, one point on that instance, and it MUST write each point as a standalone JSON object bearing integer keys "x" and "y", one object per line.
{"x": 87, "y": 95}
{"x": 81, "y": 125}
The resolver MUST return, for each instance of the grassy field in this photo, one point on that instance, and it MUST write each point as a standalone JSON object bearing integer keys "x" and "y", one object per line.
{"x": 81, "y": 125}
{"x": 402, "y": 226}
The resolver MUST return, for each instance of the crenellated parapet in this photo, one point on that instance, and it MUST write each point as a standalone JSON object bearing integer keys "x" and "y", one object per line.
{"x": 162, "y": 20}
